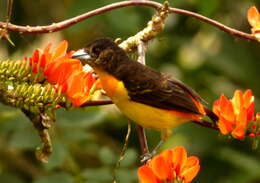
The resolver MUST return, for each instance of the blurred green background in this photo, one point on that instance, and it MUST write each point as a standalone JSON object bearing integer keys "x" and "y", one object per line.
{"x": 87, "y": 142}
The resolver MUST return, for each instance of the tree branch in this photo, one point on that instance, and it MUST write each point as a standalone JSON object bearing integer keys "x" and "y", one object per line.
{"x": 67, "y": 23}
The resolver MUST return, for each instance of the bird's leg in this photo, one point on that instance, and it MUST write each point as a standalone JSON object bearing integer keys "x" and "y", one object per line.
{"x": 143, "y": 144}
{"x": 146, "y": 157}
{"x": 165, "y": 134}
{"x": 149, "y": 156}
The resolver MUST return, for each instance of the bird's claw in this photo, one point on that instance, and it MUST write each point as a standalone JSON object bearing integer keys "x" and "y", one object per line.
{"x": 147, "y": 156}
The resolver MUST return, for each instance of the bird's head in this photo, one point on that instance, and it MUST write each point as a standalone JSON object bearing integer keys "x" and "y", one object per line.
{"x": 102, "y": 54}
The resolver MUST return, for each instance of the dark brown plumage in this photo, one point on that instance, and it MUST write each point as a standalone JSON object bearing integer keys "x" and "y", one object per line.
{"x": 144, "y": 84}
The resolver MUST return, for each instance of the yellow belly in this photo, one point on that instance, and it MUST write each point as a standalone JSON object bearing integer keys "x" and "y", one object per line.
{"x": 148, "y": 117}
{"x": 144, "y": 115}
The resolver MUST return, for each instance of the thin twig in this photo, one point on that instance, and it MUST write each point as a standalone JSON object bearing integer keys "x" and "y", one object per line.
{"x": 67, "y": 23}
{"x": 123, "y": 151}
{"x": 4, "y": 32}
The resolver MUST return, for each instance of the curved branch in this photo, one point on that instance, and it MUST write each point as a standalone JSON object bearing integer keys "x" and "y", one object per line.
{"x": 67, "y": 23}
{"x": 215, "y": 23}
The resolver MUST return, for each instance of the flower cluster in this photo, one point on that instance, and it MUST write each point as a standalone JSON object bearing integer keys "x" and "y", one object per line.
{"x": 253, "y": 18}
{"x": 236, "y": 116}
{"x": 171, "y": 165}
{"x": 65, "y": 73}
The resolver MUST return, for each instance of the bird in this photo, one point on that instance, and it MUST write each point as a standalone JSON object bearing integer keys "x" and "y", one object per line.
{"x": 148, "y": 97}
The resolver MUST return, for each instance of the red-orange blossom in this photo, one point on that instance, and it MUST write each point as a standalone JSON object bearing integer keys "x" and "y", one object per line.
{"x": 170, "y": 166}
{"x": 235, "y": 114}
{"x": 65, "y": 73}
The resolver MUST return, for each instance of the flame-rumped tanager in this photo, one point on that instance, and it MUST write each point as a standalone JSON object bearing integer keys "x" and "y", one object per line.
{"x": 150, "y": 98}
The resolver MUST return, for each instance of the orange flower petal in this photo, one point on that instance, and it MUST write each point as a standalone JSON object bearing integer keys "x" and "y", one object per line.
{"x": 248, "y": 98}
{"x": 61, "y": 49}
{"x": 34, "y": 61}
{"x": 78, "y": 87}
{"x": 47, "y": 48}
{"x": 160, "y": 167}
{"x": 253, "y": 17}
{"x": 59, "y": 71}
{"x": 249, "y": 104}
{"x": 192, "y": 161}
{"x": 189, "y": 174}
{"x": 225, "y": 126}
{"x": 250, "y": 112}
{"x": 51, "y": 71}
{"x": 216, "y": 107}
{"x": 35, "y": 57}
{"x": 226, "y": 109}
{"x": 168, "y": 157}
{"x": 240, "y": 129}
{"x": 191, "y": 169}
{"x": 64, "y": 73}
{"x": 236, "y": 121}
{"x": 43, "y": 61}
{"x": 146, "y": 175}
{"x": 237, "y": 101}
{"x": 179, "y": 158}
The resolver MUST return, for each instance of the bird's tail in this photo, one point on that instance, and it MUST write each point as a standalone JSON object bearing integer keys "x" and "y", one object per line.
{"x": 211, "y": 114}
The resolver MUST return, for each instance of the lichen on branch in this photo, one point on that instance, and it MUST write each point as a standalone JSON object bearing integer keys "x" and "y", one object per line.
{"x": 153, "y": 28}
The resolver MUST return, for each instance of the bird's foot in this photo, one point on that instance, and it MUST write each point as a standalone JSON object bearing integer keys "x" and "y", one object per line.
{"x": 147, "y": 156}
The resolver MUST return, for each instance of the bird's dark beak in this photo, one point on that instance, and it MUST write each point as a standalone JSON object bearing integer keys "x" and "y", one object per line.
{"x": 81, "y": 55}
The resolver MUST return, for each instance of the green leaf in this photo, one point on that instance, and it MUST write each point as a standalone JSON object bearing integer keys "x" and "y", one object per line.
{"x": 208, "y": 7}
{"x": 80, "y": 118}
{"x": 107, "y": 156}
{"x": 55, "y": 178}
{"x": 130, "y": 158}
{"x": 57, "y": 157}
{"x": 126, "y": 175}
{"x": 98, "y": 175}
{"x": 244, "y": 161}
{"x": 10, "y": 178}
{"x": 73, "y": 135}
{"x": 24, "y": 139}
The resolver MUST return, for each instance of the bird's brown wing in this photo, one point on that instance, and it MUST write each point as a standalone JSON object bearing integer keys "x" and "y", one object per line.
{"x": 144, "y": 84}
{"x": 150, "y": 87}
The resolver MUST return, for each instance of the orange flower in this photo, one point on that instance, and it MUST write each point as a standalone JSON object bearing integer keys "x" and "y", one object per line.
{"x": 65, "y": 73}
{"x": 234, "y": 115}
{"x": 170, "y": 165}
{"x": 253, "y": 18}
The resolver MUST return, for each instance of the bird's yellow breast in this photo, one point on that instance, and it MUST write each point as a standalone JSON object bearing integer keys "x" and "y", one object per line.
{"x": 145, "y": 115}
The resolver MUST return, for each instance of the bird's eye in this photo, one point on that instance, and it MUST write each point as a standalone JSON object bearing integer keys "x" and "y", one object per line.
{"x": 96, "y": 50}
